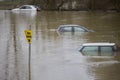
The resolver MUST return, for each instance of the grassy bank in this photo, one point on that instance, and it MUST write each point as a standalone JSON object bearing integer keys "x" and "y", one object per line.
{"x": 5, "y": 5}
{"x": 65, "y": 5}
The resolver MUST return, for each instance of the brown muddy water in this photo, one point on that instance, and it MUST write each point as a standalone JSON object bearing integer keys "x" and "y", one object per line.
{"x": 55, "y": 56}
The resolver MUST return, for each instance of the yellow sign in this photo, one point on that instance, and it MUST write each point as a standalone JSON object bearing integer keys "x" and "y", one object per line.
{"x": 28, "y": 34}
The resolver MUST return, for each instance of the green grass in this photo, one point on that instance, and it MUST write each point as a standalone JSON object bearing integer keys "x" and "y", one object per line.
{"x": 8, "y": 4}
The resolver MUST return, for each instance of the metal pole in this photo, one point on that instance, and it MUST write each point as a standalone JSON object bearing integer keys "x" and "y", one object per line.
{"x": 29, "y": 58}
{"x": 29, "y": 62}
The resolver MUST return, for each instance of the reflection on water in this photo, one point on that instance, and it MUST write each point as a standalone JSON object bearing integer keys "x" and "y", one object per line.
{"x": 30, "y": 14}
{"x": 55, "y": 56}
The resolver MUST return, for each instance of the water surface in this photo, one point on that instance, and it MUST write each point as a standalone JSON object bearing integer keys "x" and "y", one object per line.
{"x": 55, "y": 56}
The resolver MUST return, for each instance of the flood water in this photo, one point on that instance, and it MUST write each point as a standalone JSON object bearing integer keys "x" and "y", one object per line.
{"x": 55, "y": 56}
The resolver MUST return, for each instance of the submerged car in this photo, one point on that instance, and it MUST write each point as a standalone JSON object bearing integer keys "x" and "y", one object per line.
{"x": 27, "y": 8}
{"x": 73, "y": 28}
{"x": 98, "y": 49}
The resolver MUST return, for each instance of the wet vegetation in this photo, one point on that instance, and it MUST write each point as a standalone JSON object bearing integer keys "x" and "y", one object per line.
{"x": 66, "y": 4}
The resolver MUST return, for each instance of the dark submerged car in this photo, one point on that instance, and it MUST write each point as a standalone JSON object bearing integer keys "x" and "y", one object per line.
{"x": 73, "y": 28}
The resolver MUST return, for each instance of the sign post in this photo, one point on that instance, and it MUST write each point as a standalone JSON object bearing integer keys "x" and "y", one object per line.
{"x": 28, "y": 34}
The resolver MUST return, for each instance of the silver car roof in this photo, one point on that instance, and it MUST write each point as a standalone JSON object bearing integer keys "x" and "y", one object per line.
{"x": 98, "y": 44}
{"x": 70, "y": 25}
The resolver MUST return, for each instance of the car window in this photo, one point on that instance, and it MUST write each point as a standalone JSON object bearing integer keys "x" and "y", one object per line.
{"x": 67, "y": 29}
{"x": 90, "y": 50}
{"x": 78, "y": 29}
{"x": 25, "y": 7}
{"x": 106, "y": 50}
{"x": 28, "y": 7}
